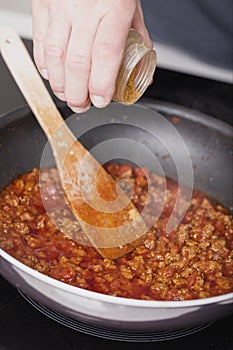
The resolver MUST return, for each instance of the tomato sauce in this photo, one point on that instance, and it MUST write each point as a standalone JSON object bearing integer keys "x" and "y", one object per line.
{"x": 194, "y": 261}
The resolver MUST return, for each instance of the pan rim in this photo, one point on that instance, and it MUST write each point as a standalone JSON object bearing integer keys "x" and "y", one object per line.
{"x": 113, "y": 299}
{"x": 171, "y": 109}
{"x": 190, "y": 114}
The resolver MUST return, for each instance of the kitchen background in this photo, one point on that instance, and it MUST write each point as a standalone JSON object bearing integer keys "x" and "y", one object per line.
{"x": 176, "y": 70}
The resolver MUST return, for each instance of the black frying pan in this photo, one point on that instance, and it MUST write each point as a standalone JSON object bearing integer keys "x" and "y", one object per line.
{"x": 209, "y": 142}
{"x": 210, "y": 145}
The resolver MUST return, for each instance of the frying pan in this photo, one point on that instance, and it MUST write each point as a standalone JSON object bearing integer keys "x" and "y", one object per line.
{"x": 209, "y": 142}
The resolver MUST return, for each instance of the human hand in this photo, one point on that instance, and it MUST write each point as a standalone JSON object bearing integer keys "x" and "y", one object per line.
{"x": 78, "y": 46}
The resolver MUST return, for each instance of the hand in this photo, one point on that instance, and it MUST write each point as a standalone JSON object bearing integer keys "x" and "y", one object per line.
{"x": 78, "y": 46}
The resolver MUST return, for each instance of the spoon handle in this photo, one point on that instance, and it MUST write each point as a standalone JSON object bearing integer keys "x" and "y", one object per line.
{"x": 29, "y": 81}
{"x": 69, "y": 154}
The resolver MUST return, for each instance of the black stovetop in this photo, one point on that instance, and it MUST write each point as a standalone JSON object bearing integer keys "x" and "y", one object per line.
{"x": 24, "y": 327}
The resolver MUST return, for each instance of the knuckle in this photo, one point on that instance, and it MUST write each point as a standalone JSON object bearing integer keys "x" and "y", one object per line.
{"x": 102, "y": 87}
{"x": 125, "y": 6}
{"x": 38, "y": 35}
{"x": 54, "y": 52}
{"x": 109, "y": 49}
{"x": 78, "y": 61}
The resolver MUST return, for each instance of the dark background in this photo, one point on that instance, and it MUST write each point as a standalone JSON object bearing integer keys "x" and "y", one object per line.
{"x": 209, "y": 96}
{"x": 23, "y": 327}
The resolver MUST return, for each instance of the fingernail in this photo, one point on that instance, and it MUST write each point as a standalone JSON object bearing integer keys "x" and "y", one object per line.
{"x": 44, "y": 73}
{"x": 98, "y": 101}
{"x": 79, "y": 109}
{"x": 61, "y": 96}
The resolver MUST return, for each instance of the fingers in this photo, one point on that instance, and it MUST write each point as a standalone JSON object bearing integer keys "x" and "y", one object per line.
{"x": 78, "y": 64}
{"x": 107, "y": 55}
{"x": 40, "y": 20}
{"x": 80, "y": 51}
{"x": 55, "y": 48}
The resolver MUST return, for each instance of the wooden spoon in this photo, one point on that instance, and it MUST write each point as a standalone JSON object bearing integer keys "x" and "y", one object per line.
{"x": 112, "y": 231}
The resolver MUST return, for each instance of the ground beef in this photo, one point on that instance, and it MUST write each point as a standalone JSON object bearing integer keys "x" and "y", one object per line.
{"x": 193, "y": 261}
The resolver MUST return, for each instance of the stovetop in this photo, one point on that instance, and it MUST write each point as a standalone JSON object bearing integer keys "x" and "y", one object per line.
{"x": 24, "y": 325}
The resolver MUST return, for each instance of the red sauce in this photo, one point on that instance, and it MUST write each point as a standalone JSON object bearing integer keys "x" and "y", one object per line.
{"x": 193, "y": 261}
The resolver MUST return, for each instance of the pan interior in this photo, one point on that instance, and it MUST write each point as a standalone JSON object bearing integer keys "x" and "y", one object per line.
{"x": 22, "y": 143}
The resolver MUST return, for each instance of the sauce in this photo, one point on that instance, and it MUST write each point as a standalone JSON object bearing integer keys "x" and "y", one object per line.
{"x": 194, "y": 261}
